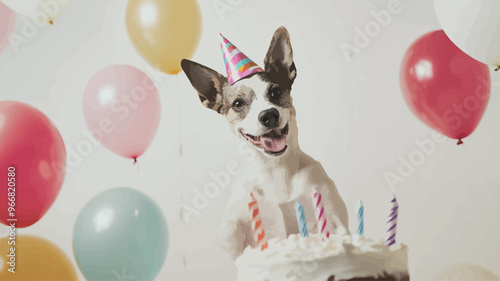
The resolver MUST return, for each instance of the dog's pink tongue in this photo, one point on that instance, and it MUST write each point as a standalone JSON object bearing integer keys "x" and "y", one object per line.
{"x": 275, "y": 144}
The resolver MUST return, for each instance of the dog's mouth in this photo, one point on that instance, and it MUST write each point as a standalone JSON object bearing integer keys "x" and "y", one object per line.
{"x": 272, "y": 142}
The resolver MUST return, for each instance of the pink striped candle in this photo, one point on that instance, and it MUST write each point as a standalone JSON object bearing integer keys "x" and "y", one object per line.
{"x": 324, "y": 227}
{"x": 259, "y": 234}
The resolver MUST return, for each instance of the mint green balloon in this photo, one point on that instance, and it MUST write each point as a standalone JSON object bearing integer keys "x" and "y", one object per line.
{"x": 120, "y": 234}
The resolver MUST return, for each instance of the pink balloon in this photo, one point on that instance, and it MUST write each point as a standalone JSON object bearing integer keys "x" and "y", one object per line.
{"x": 122, "y": 109}
{"x": 32, "y": 163}
{"x": 7, "y": 22}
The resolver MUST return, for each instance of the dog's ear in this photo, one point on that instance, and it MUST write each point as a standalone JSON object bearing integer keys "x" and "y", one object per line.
{"x": 208, "y": 82}
{"x": 279, "y": 58}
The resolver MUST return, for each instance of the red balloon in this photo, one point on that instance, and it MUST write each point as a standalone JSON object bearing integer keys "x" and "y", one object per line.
{"x": 32, "y": 163}
{"x": 444, "y": 87}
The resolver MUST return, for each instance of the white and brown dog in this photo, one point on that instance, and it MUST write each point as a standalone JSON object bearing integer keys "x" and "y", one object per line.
{"x": 260, "y": 111}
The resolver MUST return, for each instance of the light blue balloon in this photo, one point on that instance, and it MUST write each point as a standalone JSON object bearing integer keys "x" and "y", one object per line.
{"x": 120, "y": 234}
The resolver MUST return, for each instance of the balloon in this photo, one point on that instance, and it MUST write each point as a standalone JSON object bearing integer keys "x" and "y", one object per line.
{"x": 467, "y": 272}
{"x": 164, "y": 31}
{"x": 444, "y": 87}
{"x": 474, "y": 26}
{"x": 7, "y": 22}
{"x": 33, "y": 158}
{"x": 122, "y": 109}
{"x": 35, "y": 259}
{"x": 120, "y": 232}
{"x": 39, "y": 10}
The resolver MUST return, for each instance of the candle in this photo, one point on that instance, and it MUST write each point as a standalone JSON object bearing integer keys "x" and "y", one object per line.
{"x": 259, "y": 234}
{"x": 324, "y": 227}
{"x": 301, "y": 219}
{"x": 360, "y": 207}
{"x": 392, "y": 223}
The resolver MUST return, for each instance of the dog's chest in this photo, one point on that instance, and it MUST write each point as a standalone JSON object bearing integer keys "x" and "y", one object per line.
{"x": 279, "y": 191}
{"x": 279, "y": 185}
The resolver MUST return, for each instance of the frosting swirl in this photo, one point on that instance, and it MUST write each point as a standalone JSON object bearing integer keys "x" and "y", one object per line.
{"x": 316, "y": 258}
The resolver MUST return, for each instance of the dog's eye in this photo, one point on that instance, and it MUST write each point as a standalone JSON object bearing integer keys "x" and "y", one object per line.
{"x": 238, "y": 104}
{"x": 275, "y": 92}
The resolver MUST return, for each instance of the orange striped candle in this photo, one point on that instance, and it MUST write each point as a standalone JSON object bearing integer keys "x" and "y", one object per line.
{"x": 259, "y": 234}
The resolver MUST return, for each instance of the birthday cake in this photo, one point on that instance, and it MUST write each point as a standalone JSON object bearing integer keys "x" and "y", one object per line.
{"x": 323, "y": 256}
{"x": 316, "y": 258}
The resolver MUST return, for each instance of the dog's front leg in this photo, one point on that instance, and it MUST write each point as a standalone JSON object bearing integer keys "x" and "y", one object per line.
{"x": 235, "y": 234}
{"x": 289, "y": 218}
{"x": 334, "y": 207}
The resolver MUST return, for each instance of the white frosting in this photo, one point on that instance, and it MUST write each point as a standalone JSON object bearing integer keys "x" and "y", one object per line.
{"x": 314, "y": 258}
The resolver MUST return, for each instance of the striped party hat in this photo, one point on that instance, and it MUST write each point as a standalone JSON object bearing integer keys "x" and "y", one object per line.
{"x": 238, "y": 65}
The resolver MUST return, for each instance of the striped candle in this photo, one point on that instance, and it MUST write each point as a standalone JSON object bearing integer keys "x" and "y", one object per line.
{"x": 301, "y": 219}
{"x": 324, "y": 227}
{"x": 259, "y": 234}
{"x": 360, "y": 207}
{"x": 392, "y": 223}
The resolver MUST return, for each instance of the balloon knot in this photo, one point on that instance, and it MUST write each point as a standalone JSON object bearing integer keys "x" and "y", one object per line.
{"x": 459, "y": 142}
{"x": 135, "y": 160}
{"x": 498, "y": 68}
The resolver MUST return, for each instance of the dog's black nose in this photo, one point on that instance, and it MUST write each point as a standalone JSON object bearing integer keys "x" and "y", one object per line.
{"x": 269, "y": 117}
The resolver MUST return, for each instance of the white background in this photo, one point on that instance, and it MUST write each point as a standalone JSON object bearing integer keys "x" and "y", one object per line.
{"x": 351, "y": 117}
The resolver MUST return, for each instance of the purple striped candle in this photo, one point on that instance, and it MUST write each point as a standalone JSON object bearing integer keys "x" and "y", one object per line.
{"x": 392, "y": 223}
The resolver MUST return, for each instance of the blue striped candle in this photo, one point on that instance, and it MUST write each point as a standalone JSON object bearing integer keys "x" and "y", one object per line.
{"x": 360, "y": 214}
{"x": 392, "y": 223}
{"x": 301, "y": 219}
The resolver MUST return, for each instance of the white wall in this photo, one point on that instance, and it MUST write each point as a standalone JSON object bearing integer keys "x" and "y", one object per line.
{"x": 351, "y": 117}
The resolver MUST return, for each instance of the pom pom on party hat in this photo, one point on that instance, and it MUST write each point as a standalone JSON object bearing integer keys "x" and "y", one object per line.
{"x": 238, "y": 65}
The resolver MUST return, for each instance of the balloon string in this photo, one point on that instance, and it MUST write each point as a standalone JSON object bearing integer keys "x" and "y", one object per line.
{"x": 460, "y": 142}
{"x": 137, "y": 163}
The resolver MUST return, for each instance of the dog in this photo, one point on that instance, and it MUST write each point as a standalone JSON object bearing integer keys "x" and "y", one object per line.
{"x": 260, "y": 111}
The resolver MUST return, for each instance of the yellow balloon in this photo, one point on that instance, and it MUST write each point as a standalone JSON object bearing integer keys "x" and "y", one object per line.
{"x": 34, "y": 259}
{"x": 164, "y": 31}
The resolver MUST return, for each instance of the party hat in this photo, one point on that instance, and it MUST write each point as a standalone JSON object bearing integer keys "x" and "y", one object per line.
{"x": 238, "y": 65}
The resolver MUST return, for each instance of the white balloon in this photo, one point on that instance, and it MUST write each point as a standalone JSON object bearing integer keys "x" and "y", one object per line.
{"x": 467, "y": 272}
{"x": 24, "y": 7}
{"x": 473, "y": 25}
{"x": 39, "y": 10}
